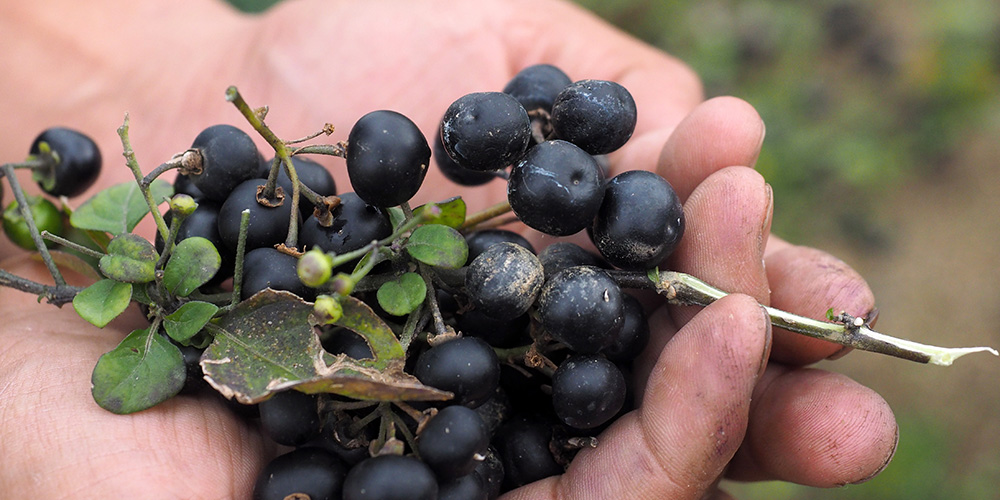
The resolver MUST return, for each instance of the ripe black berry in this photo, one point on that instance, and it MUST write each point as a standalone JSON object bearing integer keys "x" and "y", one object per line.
{"x": 390, "y": 477}
{"x": 563, "y": 254}
{"x": 633, "y": 335}
{"x": 468, "y": 487}
{"x": 453, "y": 442}
{"x": 479, "y": 241}
{"x": 228, "y": 157}
{"x": 523, "y": 447}
{"x": 268, "y": 268}
{"x": 355, "y": 224}
{"x": 587, "y": 391}
{"x": 537, "y": 86}
{"x": 581, "y": 307}
{"x": 79, "y": 162}
{"x": 290, "y": 418}
{"x": 314, "y": 175}
{"x": 556, "y": 189}
{"x": 455, "y": 172}
{"x": 309, "y": 471}
{"x": 504, "y": 280}
{"x": 387, "y": 158}
{"x": 597, "y": 115}
{"x": 640, "y": 221}
{"x": 485, "y": 131}
{"x": 466, "y": 366}
{"x": 268, "y": 225}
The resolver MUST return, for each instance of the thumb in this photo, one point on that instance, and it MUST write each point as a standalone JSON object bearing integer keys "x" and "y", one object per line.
{"x": 692, "y": 418}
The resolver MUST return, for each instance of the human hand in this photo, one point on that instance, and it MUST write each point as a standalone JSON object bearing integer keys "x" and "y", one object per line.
{"x": 315, "y": 62}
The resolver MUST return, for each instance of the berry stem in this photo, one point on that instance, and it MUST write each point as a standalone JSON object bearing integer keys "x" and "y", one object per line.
{"x": 32, "y": 162}
{"x": 133, "y": 165}
{"x": 241, "y": 250}
{"x": 439, "y": 327}
{"x": 57, "y": 295}
{"x": 292, "y": 240}
{"x": 29, "y": 219}
{"x": 338, "y": 149}
{"x": 72, "y": 244}
{"x": 684, "y": 289}
{"x": 486, "y": 214}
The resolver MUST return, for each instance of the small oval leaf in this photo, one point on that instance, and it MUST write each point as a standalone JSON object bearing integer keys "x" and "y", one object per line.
{"x": 119, "y": 208}
{"x": 143, "y": 371}
{"x": 103, "y": 301}
{"x": 402, "y": 295}
{"x": 188, "y": 320}
{"x": 450, "y": 212}
{"x": 130, "y": 259}
{"x": 438, "y": 245}
{"x": 193, "y": 263}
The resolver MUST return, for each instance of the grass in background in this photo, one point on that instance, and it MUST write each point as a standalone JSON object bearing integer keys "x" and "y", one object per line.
{"x": 856, "y": 95}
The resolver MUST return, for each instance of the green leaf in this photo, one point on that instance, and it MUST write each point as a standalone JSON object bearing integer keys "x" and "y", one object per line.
{"x": 103, "y": 301}
{"x": 140, "y": 293}
{"x": 143, "y": 371}
{"x": 438, "y": 245}
{"x": 188, "y": 320}
{"x": 119, "y": 208}
{"x": 402, "y": 295}
{"x": 396, "y": 217}
{"x": 267, "y": 344}
{"x": 450, "y": 212}
{"x": 193, "y": 262}
{"x": 130, "y": 258}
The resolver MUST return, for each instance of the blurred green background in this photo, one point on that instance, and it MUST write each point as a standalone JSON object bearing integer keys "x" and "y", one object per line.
{"x": 883, "y": 137}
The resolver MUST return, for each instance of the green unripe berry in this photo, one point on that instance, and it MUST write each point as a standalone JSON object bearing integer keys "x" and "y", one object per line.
{"x": 183, "y": 205}
{"x": 315, "y": 268}
{"x": 327, "y": 310}
{"x": 46, "y": 215}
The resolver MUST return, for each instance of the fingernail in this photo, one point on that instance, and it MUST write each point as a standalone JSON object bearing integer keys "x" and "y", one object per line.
{"x": 765, "y": 226}
{"x": 767, "y": 342}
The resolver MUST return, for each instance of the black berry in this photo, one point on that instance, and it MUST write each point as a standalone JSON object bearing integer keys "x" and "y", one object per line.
{"x": 387, "y": 158}
{"x": 453, "y": 442}
{"x": 581, "y": 307}
{"x": 485, "y": 131}
{"x": 290, "y": 418}
{"x": 309, "y": 471}
{"x": 268, "y": 268}
{"x": 557, "y": 188}
{"x": 79, "y": 162}
{"x": 597, "y": 115}
{"x": 587, "y": 391}
{"x": 504, "y": 280}
{"x": 466, "y": 366}
{"x": 268, "y": 225}
{"x": 640, "y": 221}
{"x": 390, "y": 477}
{"x": 228, "y": 157}
{"x": 537, "y": 86}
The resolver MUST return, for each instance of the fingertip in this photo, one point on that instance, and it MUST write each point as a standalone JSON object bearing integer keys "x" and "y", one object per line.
{"x": 810, "y": 282}
{"x": 816, "y": 428}
{"x": 720, "y": 132}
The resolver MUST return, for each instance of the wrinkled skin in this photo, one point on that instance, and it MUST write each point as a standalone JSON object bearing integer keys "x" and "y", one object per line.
{"x": 721, "y": 394}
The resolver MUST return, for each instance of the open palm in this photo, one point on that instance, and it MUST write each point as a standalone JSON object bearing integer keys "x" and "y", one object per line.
{"x": 711, "y": 406}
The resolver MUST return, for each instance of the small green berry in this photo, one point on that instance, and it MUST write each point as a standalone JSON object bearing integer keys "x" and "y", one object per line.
{"x": 315, "y": 268}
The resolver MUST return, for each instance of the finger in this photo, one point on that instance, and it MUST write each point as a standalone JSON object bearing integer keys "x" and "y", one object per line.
{"x": 815, "y": 428}
{"x": 721, "y": 132}
{"x": 692, "y": 418}
{"x": 809, "y": 282}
